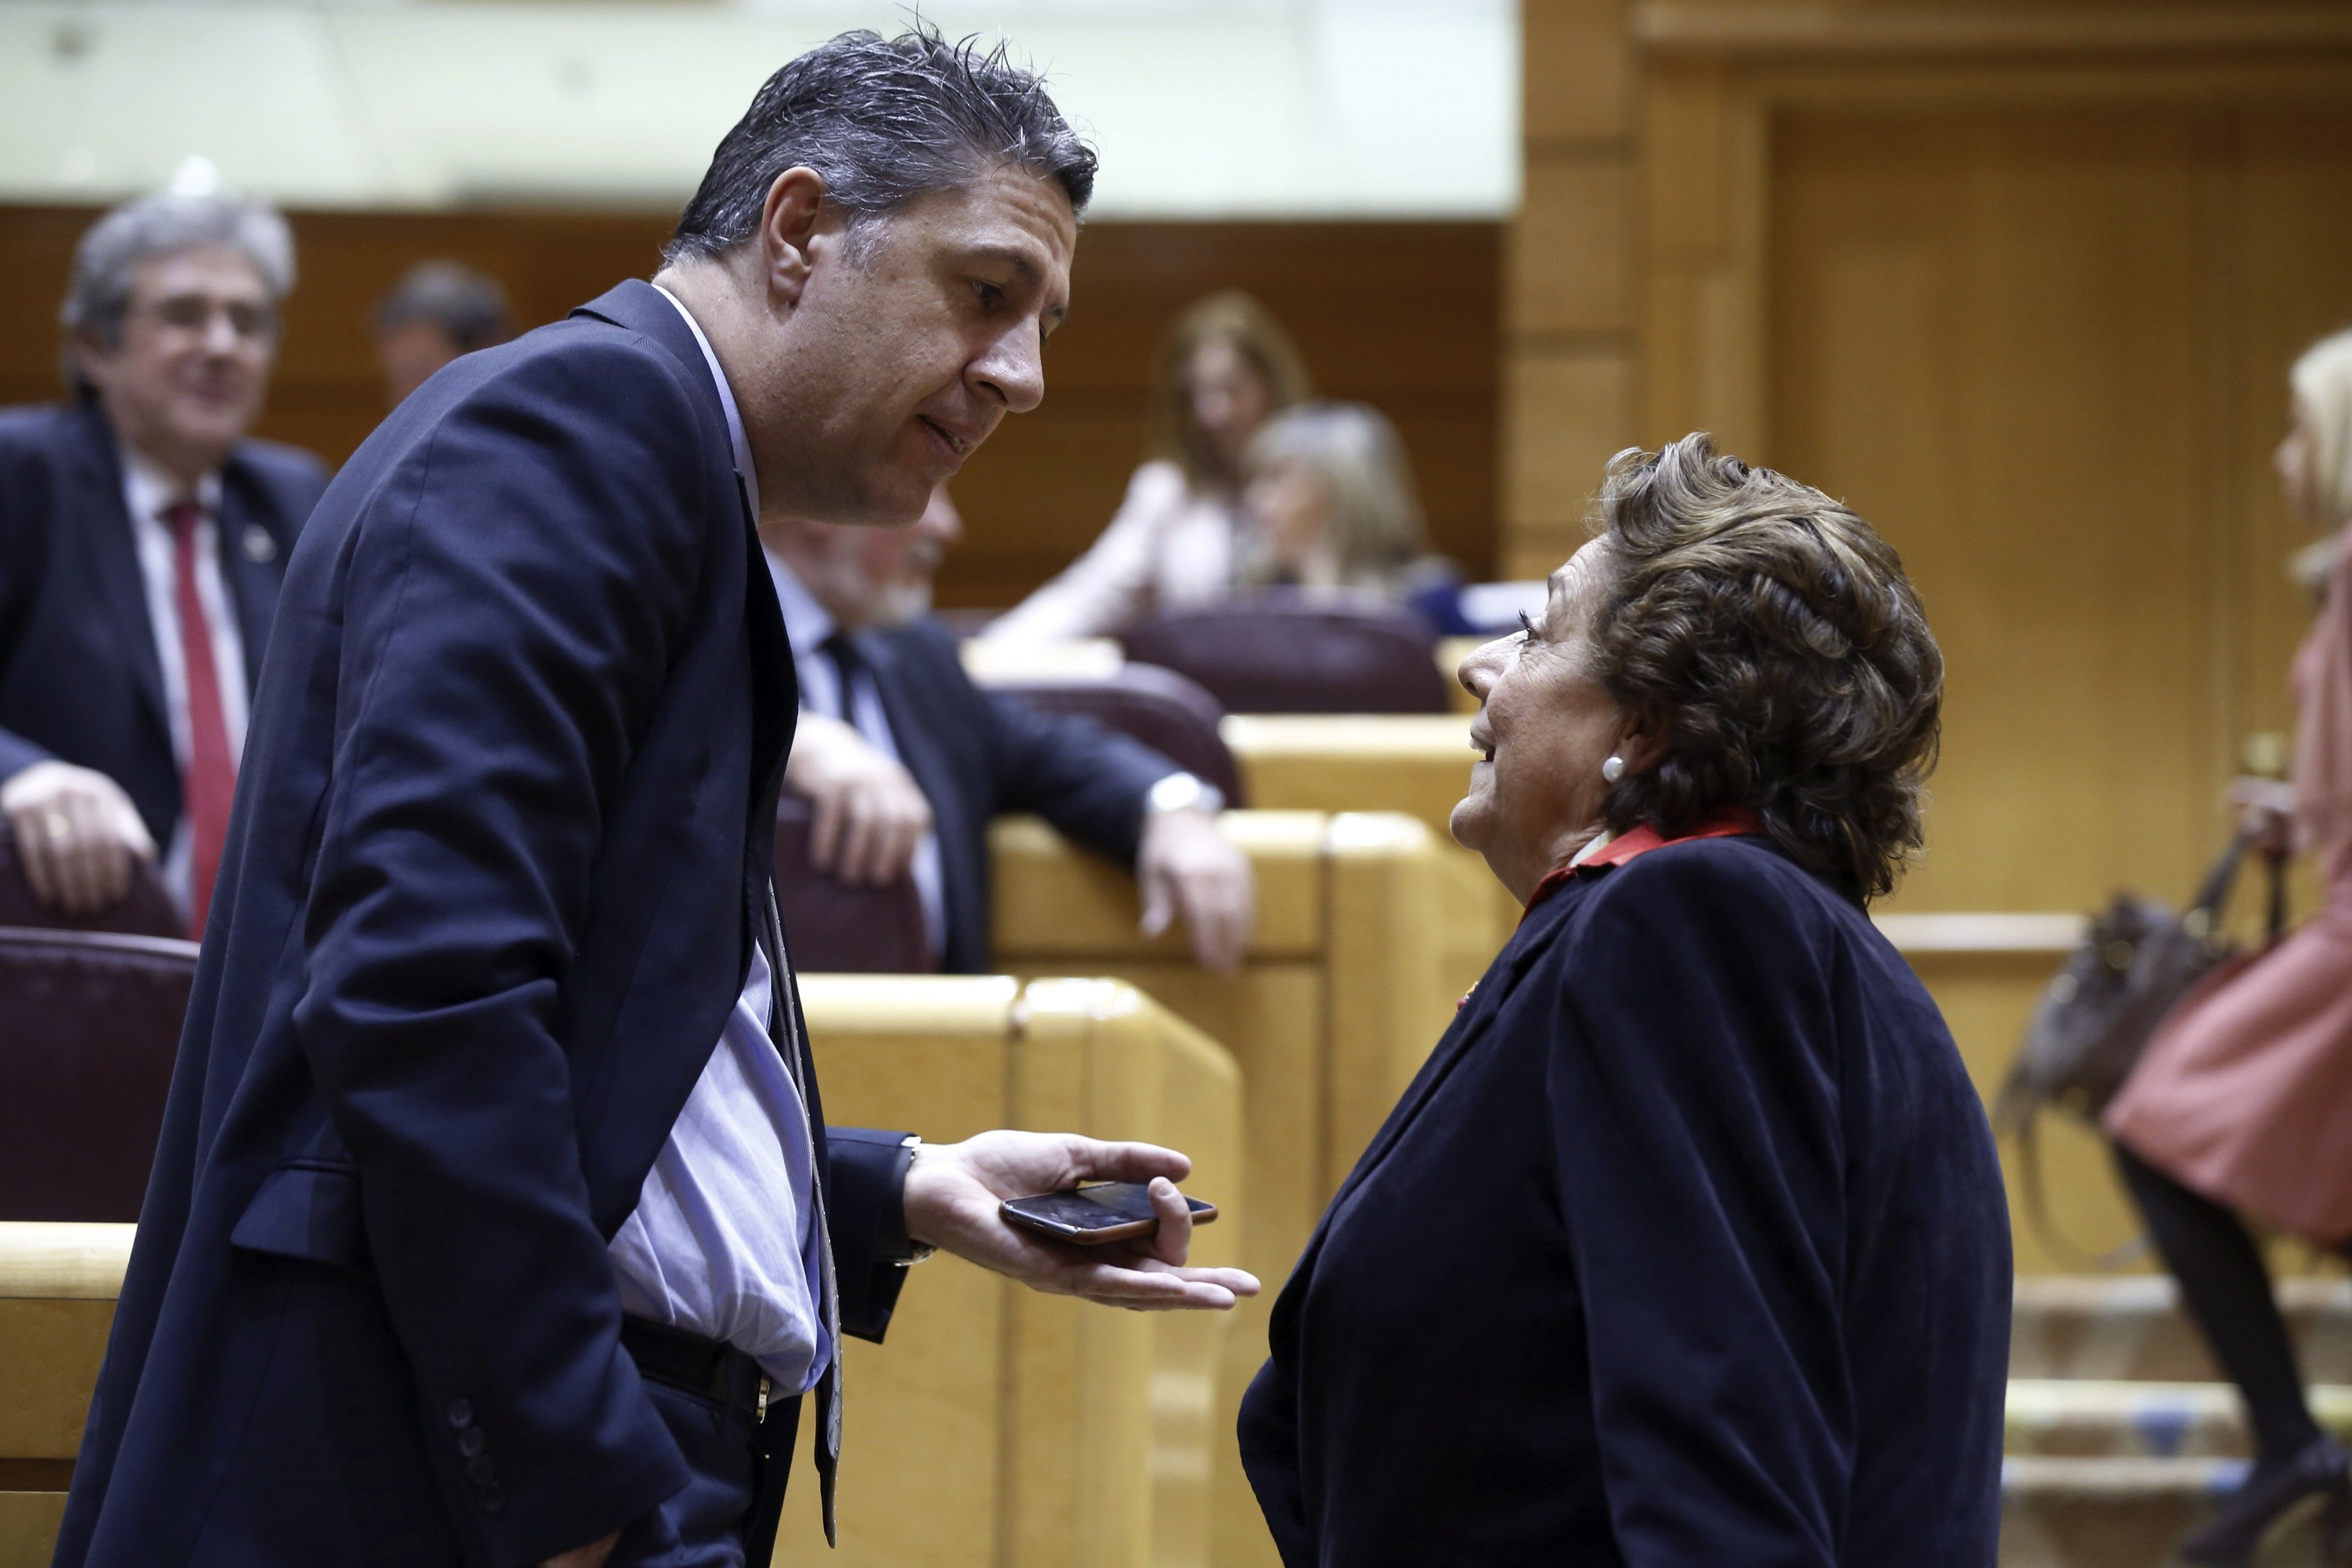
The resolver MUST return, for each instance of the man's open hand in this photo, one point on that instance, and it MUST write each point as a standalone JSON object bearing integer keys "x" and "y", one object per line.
{"x": 76, "y": 834}
{"x": 1186, "y": 866}
{"x": 953, "y": 1191}
{"x": 868, "y": 813}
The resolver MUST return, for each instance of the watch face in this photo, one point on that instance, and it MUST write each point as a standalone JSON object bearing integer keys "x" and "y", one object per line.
{"x": 1179, "y": 791}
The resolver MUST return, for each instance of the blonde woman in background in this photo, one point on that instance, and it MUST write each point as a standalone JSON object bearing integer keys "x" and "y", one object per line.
{"x": 1224, "y": 368}
{"x": 1332, "y": 511}
{"x": 2242, "y": 1105}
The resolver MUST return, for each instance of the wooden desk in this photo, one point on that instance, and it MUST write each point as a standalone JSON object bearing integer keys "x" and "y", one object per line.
{"x": 1369, "y": 930}
{"x": 997, "y": 1427}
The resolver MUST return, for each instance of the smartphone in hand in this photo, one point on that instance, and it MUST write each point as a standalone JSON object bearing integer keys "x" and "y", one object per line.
{"x": 1091, "y": 1215}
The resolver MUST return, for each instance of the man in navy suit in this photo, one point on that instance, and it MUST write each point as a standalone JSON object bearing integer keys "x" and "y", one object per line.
{"x": 142, "y": 539}
{"x": 495, "y": 1217}
{"x": 905, "y": 760}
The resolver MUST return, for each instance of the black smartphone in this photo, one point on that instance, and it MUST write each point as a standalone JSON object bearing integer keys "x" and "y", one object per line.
{"x": 1088, "y": 1216}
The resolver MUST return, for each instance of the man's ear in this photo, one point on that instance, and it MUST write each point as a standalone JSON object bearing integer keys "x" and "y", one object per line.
{"x": 90, "y": 359}
{"x": 788, "y": 221}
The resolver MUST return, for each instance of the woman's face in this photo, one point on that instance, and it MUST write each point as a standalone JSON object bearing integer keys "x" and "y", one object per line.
{"x": 1229, "y": 402}
{"x": 1544, "y": 725}
{"x": 1291, "y": 507}
{"x": 2296, "y": 460}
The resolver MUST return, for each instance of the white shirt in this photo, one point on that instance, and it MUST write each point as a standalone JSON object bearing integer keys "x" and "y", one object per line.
{"x": 147, "y": 494}
{"x": 1170, "y": 548}
{"x": 808, "y": 624}
{"x": 723, "y": 1241}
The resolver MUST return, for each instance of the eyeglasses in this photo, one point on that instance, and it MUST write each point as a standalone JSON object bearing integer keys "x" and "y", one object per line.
{"x": 194, "y": 313}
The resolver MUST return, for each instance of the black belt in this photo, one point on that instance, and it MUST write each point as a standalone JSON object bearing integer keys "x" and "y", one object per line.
{"x": 697, "y": 1365}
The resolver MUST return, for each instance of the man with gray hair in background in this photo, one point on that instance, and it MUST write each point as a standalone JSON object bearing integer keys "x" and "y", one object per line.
{"x": 142, "y": 540}
{"x": 495, "y": 1219}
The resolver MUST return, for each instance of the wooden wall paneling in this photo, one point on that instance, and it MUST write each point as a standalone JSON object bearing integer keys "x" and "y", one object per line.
{"x": 1573, "y": 252}
{"x": 1568, "y": 416}
{"x": 1703, "y": 190}
{"x": 1987, "y": 337}
{"x": 1406, "y": 315}
{"x": 1577, "y": 66}
{"x": 1570, "y": 254}
{"x": 1906, "y": 32}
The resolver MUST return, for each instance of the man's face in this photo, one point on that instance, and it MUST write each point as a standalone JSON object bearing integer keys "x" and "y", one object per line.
{"x": 409, "y": 354}
{"x": 914, "y": 337}
{"x": 870, "y": 577}
{"x": 187, "y": 378}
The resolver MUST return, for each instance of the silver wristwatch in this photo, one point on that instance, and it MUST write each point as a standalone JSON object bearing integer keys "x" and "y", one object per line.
{"x": 1183, "y": 792}
{"x": 923, "y": 1250}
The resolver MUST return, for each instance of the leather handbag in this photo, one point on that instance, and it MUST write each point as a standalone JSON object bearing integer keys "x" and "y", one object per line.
{"x": 2136, "y": 961}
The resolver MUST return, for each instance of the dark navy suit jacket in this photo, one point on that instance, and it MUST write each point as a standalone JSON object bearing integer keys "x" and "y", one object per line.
{"x": 978, "y": 753}
{"x": 79, "y": 677}
{"x": 1687, "y": 1248}
{"x": 507, "y": 807}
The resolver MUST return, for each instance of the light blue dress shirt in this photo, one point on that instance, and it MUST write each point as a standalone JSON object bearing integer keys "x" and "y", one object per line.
{"x": 723, "y": 1242}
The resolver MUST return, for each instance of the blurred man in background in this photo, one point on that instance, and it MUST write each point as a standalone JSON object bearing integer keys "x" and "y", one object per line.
{"x": 440, "y": 310}
{"x": 904, "y": 761}
{"x": 142, "y": 540}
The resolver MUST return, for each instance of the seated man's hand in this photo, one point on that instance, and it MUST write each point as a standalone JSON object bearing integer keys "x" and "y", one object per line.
{"x": 75, "y": 833}
{"x": 1186, "y": 866}
{"x": 953, "y": 1191}
{"x": 869, "y": 815}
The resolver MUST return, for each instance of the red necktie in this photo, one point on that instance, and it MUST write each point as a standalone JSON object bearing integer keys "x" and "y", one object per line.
{"x": 208, "y": 785}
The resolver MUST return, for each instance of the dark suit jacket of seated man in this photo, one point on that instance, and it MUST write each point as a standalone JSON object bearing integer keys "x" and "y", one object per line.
{"x": 935, "y": 758}
{"x": 107, "y": 749}
{"x": 497, "y": 880}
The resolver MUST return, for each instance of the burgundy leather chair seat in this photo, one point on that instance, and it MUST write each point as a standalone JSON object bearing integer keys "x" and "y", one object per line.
{"x": 832, "y": 928}
{"x": 1173, "y": 714}
{"x": 146, "y": 911}
{"x": 1281, "y": 657}
{"x": 89, "y": 1023}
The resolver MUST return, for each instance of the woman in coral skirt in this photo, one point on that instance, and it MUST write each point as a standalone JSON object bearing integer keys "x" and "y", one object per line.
{"x": 2242, "y": 1105}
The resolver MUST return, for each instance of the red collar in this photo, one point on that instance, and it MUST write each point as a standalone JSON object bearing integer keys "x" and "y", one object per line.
{"x": 1640, "y": 841}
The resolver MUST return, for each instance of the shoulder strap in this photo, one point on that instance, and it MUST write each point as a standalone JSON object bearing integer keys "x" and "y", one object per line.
{"x": 2037, "y": 1207}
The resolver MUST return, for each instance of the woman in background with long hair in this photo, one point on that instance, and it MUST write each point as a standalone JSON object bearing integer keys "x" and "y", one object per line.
{"x": 1225, "y": 368}
{"x": 2243, "y": 1104}
{"x": 1332, "y": 511}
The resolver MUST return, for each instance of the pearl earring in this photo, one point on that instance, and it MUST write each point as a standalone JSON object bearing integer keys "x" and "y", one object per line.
{"x": 1613, "y": 769}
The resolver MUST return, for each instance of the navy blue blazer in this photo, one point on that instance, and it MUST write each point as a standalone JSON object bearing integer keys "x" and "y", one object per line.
{"x": 977, "y": 753}
{"x": 1686, "y": 1248}
{"x": 79, "y": 677}
{"x": 506, "y": 816}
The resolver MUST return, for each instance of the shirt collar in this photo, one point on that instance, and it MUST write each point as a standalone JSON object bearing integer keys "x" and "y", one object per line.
{"x": 735, "y": 437}
{"x": 1617, "y": 848}
{"x": 150, "y": 490}
{"x": 807, "y": 623}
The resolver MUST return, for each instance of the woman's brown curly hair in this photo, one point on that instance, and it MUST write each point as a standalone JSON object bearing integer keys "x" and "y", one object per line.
{"x": 1773, "y": 633}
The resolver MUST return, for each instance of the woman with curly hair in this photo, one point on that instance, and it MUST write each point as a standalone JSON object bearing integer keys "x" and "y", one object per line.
{"x": 1687, "y": 1247}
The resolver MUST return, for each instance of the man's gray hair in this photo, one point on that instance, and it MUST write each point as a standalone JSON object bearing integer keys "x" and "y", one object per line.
{"x": 112, "y": 247}
{"x": 883, "y": 120}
